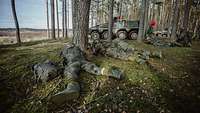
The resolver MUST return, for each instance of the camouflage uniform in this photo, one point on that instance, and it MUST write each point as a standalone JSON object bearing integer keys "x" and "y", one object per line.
{"x": 121, "y": 50}
{"x": 74, "y": 62}
{"x": 160, "y": 41}
{"x": 183, "y": 40}
{"x": 45, "y": 71}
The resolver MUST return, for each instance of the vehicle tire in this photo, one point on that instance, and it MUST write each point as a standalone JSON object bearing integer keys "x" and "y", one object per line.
{"x": 164, "y": 35}
{"x": 104, "y": 35}
{"x": 121, "y": 34}
{"x": 95, "y": 35}
{"x": 133, "y": 35}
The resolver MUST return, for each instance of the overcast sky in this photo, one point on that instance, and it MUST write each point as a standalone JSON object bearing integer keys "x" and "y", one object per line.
{"x": 30, "y": 13}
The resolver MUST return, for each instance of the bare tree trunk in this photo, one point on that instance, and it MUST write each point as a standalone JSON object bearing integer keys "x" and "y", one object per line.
{"x": 141, "y": 26}
{"x": 58, "y": 28}
{"x": 158, "y": 16}
{"x": 110, "y": 25}
{"x": 63, "y": 18}
{"x": 47, "y": 9}
{"x": 172, "y": 12}
{"x": 75, "y": 20}
{"x": 52, "y": 20}
{"x": 68, "y": 14}
{"x": 186, "y": 15}
{"x": 153, "y": 11}
{"x": 196, "y": 32}
{"x": 81, "y": 22}
{"x": 120, "y": 11}
{"x": 16, "y": 21}
{"x": 98, "y": 13}
{"x": 175, "y": 21}
{"x": 92, "y": 18}
{"x": 146, "y": 16}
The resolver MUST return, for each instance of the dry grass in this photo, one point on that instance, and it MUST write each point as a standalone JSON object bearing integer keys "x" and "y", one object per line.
{"x": 171, "y": 84}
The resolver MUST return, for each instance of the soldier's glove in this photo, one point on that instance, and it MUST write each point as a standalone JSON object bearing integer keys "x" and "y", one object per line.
{"x": 113, "y": 72}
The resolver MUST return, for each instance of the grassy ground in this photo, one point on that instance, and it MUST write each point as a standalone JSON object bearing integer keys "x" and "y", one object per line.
{"x": 169, "y": 85}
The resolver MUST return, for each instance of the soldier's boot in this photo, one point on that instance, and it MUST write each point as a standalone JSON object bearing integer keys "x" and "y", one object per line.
{"x": 72, "y": 90}
{"x": 113, "y": 72}
{"x": 70, "y": 93}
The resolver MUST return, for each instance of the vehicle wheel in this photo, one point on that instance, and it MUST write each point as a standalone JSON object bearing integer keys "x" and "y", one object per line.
{"x": 164, "y": 35}
{"x": 133, "y": 35}
{"x": 121, "y": 34}
{"x": 105, "y": 35}
{"x": 95, "y": 35}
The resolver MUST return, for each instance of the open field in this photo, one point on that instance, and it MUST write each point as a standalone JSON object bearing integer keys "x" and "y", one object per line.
{"x": 8, "y": 36}
{"x": 170, "y": 85}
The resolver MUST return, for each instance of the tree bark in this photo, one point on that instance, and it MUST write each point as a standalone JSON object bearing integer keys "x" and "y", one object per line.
{"x": 146, "y": 16}
{"x": 141, "y": 26}
{"x": 47, "y": 11}
{"x": 75, "y": 22}
{"x": 63, "y": 18}
{"x": 98, "y": 13}
{"x": 52, "y": 20}
{"x": 92, "y": 18}
{"x": 58, "y": 28}
{"x": 120, "y": 11}
{"x": 153, "y": 11}
{"x": 110, "y": 25}
{"x": 16, "y": 21}
{"x": 68, "y": 15}
{"x": 80, "y": 17}
{"x": 186, "y": 15}
{"x": 175, "y": 21}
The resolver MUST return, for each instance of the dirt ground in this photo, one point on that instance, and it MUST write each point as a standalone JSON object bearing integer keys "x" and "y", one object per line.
{"x": 168, "y": 85}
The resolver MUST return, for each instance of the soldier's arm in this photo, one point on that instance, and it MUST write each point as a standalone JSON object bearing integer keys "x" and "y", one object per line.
{"x": 91, "y": 68}
{"x": 106, "y": 71}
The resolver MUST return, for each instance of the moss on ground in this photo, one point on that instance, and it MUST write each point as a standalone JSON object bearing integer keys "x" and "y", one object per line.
{"x": 170, "y": 84}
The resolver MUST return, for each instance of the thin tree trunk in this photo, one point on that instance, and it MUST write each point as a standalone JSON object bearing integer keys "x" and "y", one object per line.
{"x": 92, "y": 18}
{"x": 52, "y": 20}
{"x": 175, "y": 21}
{"x": 98, "y": 13}
{"x": 58, "y": 28}
{"x": 16, "y": 22}
{"x": 63, "y": 19}
{"x": 120, "y": 11}
{"x": 146, "y": 16}
{"x": 47, "y": 11}
{"x": 68, "y": 15}
{"x": 195, "y": 29}
{"x": 153, "y": 11}
{"x": 141, "y": 26}
{"x": 110, "y": 25}
{"x": 159, "y": 17}
{"x": 186, "y": 15}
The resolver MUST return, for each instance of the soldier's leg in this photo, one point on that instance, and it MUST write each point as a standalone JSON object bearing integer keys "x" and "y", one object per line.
{"x": 72, "y": 90}
{"x": 96, "y": 70}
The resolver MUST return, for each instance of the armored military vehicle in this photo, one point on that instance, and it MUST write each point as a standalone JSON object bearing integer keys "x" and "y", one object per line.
{"x": 121, "y": 29}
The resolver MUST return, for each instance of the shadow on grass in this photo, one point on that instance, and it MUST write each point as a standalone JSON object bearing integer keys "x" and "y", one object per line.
{"x": 181, "y": 92}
